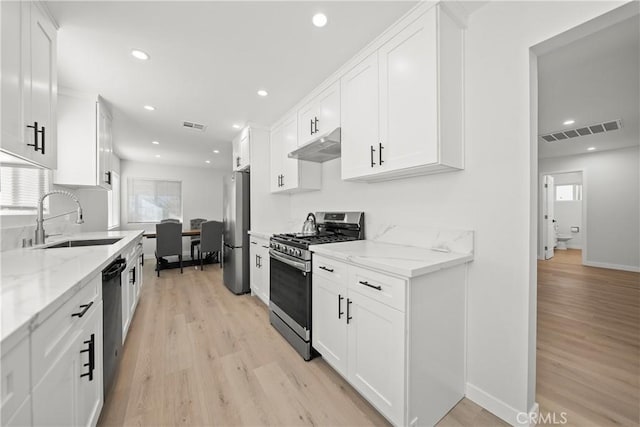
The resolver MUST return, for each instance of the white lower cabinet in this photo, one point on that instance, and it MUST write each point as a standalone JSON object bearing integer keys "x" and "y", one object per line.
{"x": 131, "y": 282}
{"x": 404, "y": 354}
{"x": 67, "y": 362}
{"x": 259, "y": 262}
{"x": 16, "y": 407}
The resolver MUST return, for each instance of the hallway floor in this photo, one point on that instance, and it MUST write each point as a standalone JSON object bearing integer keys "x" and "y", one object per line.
{"x": 588, "y": 352}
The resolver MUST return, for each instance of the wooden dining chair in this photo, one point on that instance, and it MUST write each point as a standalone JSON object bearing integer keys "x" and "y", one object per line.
{"x": 168, "y": 242}
{"x": 210, "y": 240}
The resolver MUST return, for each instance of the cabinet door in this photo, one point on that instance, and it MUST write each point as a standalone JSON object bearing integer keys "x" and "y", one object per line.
{"x": 12, "y": 130}
{"x": 40, "y": 102}
{"x": 306, "y": 120}
{"x": 126, "y": 288}
{"x": 290, "y": 167}
{"x": 359, "y": 110}
{"x": 329, "y": 322}
{"x": 376, "y": 348}
{"x": 264, "y": 271}
{"x": 276, "y": 160}
{"x": 90, "y": 389}
{"x": 56, "y": 398}
{"x": 255, "y": 274}
{"x": 105, "y": 145}
{"x": 245, "y": 150}
{"x": 328, "y": 110}
{"x": 408, "y": 96}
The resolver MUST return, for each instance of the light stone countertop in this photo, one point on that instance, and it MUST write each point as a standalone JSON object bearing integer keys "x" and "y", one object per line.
{"x": 401, "y": 260}
{"x": 261, "y": 234}
{"x": 35, "y": 282}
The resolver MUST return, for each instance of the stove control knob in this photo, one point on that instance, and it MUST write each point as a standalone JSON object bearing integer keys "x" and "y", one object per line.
{"x": 299, "y": 252}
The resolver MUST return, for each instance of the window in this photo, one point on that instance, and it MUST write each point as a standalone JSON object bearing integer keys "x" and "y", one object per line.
{"x": 21, "y": 188}
{"x": 151, "y": 200}
{"x": 113, "y": 202}
{"x": 568, "y": 192}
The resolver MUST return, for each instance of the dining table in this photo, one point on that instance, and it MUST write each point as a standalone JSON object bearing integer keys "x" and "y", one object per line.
{"x": 185, "y": 233}
{"x": 164, "y": 264}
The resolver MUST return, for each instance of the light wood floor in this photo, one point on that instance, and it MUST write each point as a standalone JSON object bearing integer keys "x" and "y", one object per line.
{"x": 588, "y": 358}
{"x": 198, "y": 355}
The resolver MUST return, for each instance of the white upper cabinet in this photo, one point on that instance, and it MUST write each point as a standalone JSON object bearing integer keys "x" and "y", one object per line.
{"x": 402, "y": 107}
{"x": 360, "y": 118}
{"x": 291, "y": 175}
{"x": 85, "y": 142}
{"x": 319, "y": 116}
{"x": 29, "y": 83}
{"x": 241, "y": 145}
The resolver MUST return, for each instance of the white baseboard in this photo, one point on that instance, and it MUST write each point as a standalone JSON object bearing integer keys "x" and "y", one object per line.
{"x": 612, "y": 266}
{"x": 501, "y": 409}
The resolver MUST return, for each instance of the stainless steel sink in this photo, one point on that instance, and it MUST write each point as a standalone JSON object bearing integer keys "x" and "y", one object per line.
{"x": 77, "y": 243}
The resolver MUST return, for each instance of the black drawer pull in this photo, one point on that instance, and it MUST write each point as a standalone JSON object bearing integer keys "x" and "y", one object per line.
{"x": 92, "y": 357}
{"x": 380, "y": 148}
{"x": 348, "y": 315}
{"x": 370, "y": 285}
{"x": 84, "y": 307}
{"x": 372, "y": 162}
{"x": 340, "y": 312}
{"x": 322, "y": 267}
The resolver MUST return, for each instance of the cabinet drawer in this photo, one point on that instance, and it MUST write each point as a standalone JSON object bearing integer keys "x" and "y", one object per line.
{"x": 15, "y": 379}
{"x": 385, "y": 289}
{"x": 52, "y": 336}
{"x": 335, "y": 271}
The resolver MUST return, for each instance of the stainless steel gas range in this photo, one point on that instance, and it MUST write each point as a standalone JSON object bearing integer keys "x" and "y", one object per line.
{"x": 291, "y": 278}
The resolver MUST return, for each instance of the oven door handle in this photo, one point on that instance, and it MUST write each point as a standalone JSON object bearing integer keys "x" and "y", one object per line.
{"x": 299, "y": 265}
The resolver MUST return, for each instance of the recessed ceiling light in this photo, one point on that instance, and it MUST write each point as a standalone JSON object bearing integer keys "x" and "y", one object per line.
{"x": 236, "y": 126}
{"x": 591, "y": 148}
{"x": 137, "y": 53}
{"x": 155, "y": 142}
{"x": 157, "y": 155}
{"x": 319, "y": 20}
{"x": 216, "y": 151}
{"x": 149, "y": 107}
{"x": 568, "y": 122}
{"x": 207, "y": 161}
{"x": 263, "y": 92}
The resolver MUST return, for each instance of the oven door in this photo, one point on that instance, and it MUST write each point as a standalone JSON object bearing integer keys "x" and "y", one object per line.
{"x": 290, "y": 292}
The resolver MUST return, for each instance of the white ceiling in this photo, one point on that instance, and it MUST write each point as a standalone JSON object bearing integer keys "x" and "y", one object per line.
{"x": 208, "y": 59}
{"x": 592, "y": 80}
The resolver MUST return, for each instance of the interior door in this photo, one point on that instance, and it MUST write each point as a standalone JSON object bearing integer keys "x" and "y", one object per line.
{"x": 549, "y": 232}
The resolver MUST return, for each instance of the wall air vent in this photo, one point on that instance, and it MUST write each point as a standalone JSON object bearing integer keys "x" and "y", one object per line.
{"x": 194, "y": 126}
{"x": 582, "y": 131}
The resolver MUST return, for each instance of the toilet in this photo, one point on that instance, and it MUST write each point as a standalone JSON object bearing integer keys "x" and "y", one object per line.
{"x": 562, "y": 240}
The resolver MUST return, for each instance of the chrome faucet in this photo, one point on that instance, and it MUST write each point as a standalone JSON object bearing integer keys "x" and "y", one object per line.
{"x": 40, "y": 235}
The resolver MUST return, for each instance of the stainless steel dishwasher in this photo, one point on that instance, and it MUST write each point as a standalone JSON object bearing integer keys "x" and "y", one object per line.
{"x": 111, "y": 320}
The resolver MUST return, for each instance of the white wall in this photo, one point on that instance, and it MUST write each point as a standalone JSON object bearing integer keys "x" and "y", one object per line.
{"x": 494, "y": 195}
{"x": 568, "y": 213}
{"x": 201, "y": 194}
{"x": 611, "y": 186}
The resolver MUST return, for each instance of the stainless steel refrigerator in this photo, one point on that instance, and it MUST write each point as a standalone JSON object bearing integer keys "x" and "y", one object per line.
{"x": 235, "y": 240}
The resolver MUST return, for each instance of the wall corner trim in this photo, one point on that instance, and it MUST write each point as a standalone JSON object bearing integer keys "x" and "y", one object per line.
{"x": 499, "y": 408}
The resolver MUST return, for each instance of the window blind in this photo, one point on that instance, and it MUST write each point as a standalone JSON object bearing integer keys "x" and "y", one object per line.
{"x": 21, "y": 188}
{"x": 151, "y": 200}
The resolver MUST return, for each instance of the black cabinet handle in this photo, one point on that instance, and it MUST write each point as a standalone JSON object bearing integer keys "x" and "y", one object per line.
{"x": 282, "y": 180}
{"x": 259, "y": 261}
{"x": 132, "y": 280}
{"x": 84, "y": 308}
{"x": 315, "y": 125}
{"x": 107, "y": 179}
{"x": 256, "y": 260}
{"x": 310, "y": 126}
{"x": 42, "y": 132}
{"x": 348, "y": 315}
{"x": 372, "y": 162}
{"x": 380, "y": 148}
{"x": 35, "y": 144}
{"x": 370, "y": 285}
{"x": 92, "y": 357}
{"x": 322, "y": 267}
{"x": 340, "y": 312}
{"x": 254, "y": 243}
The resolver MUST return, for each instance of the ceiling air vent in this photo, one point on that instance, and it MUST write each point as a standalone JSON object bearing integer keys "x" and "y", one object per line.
{"x": 582, "y": 131}
{"x": 194, "y": 126}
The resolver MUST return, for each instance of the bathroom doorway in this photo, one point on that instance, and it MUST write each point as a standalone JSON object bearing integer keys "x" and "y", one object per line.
{"x": 562, "y": 222}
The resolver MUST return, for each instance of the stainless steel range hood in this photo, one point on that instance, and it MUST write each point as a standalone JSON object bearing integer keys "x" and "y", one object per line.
{"x": 325, "y": 148}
